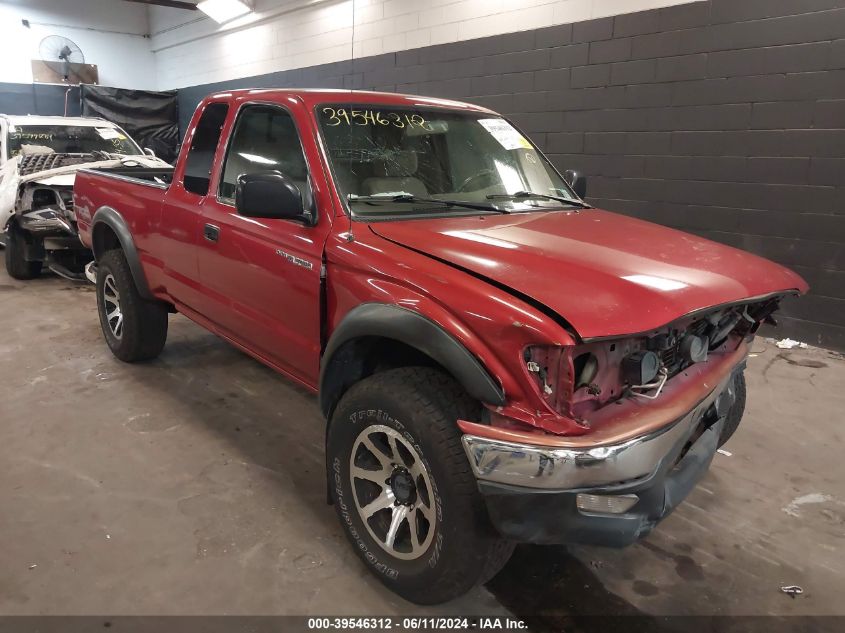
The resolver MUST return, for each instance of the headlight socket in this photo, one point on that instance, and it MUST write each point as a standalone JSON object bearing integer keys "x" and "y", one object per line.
{"x": 640, "y": 368}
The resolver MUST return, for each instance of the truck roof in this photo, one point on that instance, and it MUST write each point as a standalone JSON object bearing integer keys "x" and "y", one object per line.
{"x": 79, "y": 121}
{"x": 317, "y": 96}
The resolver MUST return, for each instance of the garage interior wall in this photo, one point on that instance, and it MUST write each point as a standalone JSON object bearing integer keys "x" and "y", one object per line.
{"x": 723, "y": 118}
{"x": 286, "y": 34}
{"x": 111, "y": 34}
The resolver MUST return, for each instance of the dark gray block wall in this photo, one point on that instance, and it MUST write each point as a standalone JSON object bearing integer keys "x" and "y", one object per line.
{"x": 44, "y": 99}
{"x": 724, "y": 118}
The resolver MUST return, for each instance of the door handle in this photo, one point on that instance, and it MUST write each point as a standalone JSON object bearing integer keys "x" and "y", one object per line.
{"x": 211, "y": 232}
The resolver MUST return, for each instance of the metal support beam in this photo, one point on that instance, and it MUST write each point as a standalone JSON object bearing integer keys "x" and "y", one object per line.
{"x": 174, "y": 4}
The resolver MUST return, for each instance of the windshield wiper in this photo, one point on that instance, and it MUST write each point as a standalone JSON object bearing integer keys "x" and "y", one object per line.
{"x": 527, "y": 195}
{"x": 407, "y": 197}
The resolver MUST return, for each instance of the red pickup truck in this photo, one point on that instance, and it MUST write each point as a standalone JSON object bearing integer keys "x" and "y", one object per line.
{"x": 498, "y": 361}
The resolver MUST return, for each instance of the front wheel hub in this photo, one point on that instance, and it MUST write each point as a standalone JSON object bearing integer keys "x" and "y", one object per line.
{"x": 393, "y": 491}
{"x": 402, "y": 484}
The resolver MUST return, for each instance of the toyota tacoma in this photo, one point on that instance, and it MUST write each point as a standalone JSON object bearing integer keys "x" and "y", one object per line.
{"x": 497, "y": 361}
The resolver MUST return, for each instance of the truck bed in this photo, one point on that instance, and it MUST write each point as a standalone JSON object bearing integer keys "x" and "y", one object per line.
{"x": 146, "y": 175}
{"x": 136, "y": 193}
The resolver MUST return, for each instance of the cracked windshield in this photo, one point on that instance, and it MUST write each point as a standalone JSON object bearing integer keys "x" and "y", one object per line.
{"x": 401, "y": 162}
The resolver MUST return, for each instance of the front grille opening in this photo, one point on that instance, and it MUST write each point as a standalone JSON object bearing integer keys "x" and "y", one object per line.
{"x": 34, "y": 163}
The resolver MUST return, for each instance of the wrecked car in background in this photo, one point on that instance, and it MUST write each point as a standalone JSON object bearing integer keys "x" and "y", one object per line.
{"x": 39, "y": 158}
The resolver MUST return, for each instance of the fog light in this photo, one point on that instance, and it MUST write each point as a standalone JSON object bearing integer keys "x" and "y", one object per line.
{"x": 605, "y": 504}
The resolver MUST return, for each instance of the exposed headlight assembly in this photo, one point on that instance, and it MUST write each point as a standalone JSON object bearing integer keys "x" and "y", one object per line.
{"x": 550, "y": 369}
{"x": 640, "y": 368}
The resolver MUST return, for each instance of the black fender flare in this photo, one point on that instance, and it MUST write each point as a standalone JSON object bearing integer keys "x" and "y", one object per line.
{"x": 415, "y": 330}
{"x": 112, "y": 219}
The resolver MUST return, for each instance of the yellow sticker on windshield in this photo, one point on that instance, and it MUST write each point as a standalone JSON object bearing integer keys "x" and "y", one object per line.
{"x": 107, "y": 133}
{"x": 505, "y": 133}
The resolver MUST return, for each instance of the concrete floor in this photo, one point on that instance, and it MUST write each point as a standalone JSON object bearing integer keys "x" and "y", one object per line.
{"x": 194, "y": 485}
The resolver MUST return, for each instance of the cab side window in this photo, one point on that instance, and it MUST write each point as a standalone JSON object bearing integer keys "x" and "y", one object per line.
{"x": 200, "y": 157}
{"x": 265, "y": 139}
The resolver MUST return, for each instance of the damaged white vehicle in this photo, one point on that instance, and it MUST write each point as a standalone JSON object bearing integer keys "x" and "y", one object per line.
{"x": 39, "y": 158}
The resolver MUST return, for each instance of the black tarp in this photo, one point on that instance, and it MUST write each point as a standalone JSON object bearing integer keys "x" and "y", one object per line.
{"x": 151, "y": 118}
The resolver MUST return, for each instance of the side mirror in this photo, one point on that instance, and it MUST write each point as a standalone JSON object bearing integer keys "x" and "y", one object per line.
{"x": 577, "y": 181}
{"x": 149, "y": 152}
{"x": 269, "y": 194}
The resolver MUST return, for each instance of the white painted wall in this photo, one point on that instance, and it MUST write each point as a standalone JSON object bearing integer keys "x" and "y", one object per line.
{"x": 109, "y": 32}
{"x": 185, "y": 48}
{"x": 284, "y": 34}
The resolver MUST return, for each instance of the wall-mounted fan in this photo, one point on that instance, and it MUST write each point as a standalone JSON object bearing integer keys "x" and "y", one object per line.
{"x": 62, "y": 61}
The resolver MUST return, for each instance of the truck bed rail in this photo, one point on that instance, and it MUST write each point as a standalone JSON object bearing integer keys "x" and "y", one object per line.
{"x": 154, "y": 176}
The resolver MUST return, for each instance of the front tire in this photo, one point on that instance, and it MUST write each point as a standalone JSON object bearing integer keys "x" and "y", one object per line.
{"x": 134, "y": 329}
{"x": 403, "y": 488}
{"x": 16, "y": 263}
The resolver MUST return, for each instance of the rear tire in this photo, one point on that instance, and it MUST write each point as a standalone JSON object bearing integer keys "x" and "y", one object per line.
{"x": 401, "y": 426}
{"x": 16, "y": 263}
{"x": 734, "y": 416}
{"x": 134, "y": 329}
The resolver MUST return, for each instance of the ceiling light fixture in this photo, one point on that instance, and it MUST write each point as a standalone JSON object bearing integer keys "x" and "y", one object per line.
{"x": 222, "y": 11}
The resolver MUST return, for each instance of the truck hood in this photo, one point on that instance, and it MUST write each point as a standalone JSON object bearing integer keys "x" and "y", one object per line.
{"x": 606, "y": 274}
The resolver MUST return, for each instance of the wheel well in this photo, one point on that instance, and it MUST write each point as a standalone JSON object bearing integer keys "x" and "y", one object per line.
{"x": 104, "y": 239}
{"x": 364, "y": 356}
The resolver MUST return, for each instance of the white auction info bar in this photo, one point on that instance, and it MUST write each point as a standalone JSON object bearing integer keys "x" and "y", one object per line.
{"x": 420, "y": 623}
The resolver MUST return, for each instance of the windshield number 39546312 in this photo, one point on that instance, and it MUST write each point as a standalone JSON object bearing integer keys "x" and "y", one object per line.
{"x": 339, "y": 116}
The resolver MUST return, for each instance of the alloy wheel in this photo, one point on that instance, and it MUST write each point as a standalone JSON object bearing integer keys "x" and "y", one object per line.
{"x": 111, "y": 306}
{"x": 392, "y": 490}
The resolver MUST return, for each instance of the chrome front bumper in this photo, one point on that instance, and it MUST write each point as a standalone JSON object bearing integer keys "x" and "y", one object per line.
{"x": 560, "y": 469}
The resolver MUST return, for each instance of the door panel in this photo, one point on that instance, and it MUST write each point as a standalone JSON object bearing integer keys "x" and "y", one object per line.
{"x": 181, "y": 213}
{"x": 256, "y": 292}
{"x": 261, "y": 277}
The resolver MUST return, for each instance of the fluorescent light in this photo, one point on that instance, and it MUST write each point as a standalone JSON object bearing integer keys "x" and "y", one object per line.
{"x": 225, "y": 10}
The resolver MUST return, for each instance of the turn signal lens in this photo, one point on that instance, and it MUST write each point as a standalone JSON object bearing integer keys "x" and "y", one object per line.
{"x": 605, "y": 504}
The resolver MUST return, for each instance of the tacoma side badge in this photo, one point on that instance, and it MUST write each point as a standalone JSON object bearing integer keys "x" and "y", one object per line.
{"x": 295, "y": 260}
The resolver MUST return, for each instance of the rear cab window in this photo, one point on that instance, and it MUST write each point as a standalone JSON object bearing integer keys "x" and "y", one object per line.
{"x": 200, "y": 157}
